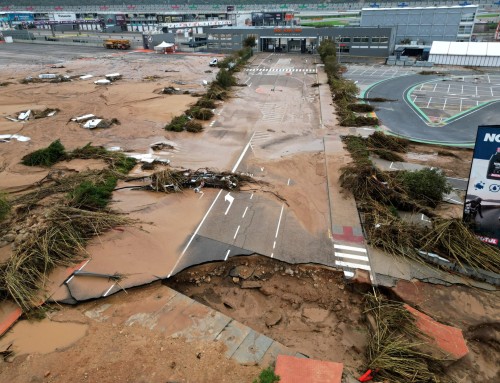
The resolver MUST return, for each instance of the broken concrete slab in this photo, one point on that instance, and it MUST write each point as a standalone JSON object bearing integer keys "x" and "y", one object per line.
{"x": 292, "y": 369}
{"x": 243, "y": 272}
{"x": 83, "y": 118}
{"x": 252, "y": 349}
{"x": 446, "y": 342}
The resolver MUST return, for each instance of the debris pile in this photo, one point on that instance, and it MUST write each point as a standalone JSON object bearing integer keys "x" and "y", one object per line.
{"x": 90, "y": 121}
{"x": 32, "y": 114}
{"x": 397, "y": 347}
{"x": 171, "y": 181}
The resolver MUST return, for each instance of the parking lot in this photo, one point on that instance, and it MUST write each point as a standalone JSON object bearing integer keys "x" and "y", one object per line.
{"x": 444, "y": 98}
{"x": 366, "y": 75}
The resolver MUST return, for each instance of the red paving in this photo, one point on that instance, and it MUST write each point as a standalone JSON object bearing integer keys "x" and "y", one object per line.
{"x": 447, "y": 338}
{"x": 348, "y": 236}
{"x": 291, "y": 369}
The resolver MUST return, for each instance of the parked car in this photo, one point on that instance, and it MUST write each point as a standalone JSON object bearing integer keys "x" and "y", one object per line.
{"x": 214, "y": 62}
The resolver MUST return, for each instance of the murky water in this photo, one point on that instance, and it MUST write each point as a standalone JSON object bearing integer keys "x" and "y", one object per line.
{"x": 42, "y": 337}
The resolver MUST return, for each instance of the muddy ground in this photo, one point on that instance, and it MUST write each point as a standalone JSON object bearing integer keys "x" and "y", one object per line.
{"x": 304, "y": 307}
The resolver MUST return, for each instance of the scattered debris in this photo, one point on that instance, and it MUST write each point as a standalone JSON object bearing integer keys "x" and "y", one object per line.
{"x": 58, "y": 66}
{"x": 83, "y": 118}
{"x": 92, "y": 124}
{"x": 47, "y": 76}
{"x": 148, "y": 158}
{"x": 162, "y": 145}
{"x": 113, "y": 76}
{"x": 8, "y": 137}
{"x": 85, "y": 77}
{"x": 170, "y": 90}
{"x": 23, "y": 116}
{"x": 102, "y": 82}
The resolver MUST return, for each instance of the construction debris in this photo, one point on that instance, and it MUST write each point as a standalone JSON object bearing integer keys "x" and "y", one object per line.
{"x": 102, "y": 82}
{"x": 85, "y": 77}
{"x": 113, "y": 76}
{"x": 162, "y": 145}
{"x": 170, "y": 90}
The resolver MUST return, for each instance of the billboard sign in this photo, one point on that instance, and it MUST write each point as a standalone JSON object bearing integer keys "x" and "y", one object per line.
{"x": 482, "y": 202}
{"x": 67, "y": 17}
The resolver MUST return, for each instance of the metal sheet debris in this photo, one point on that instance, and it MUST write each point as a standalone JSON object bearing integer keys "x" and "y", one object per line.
{"x": 86, "y": 77}
{"x": 8, "y": 137}
{"x": 102, "y": 82}
{"x": 47, "y": 75}
{"x": 92, "y": 124}
{"x": 24, "y": 115}
{"x": 83, "y": 118}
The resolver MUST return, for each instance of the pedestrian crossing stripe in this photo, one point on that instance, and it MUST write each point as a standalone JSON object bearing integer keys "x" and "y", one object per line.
{"x": 353, "y": 265}
{"x": 352, "y": 248}
{"x": 282, "y": 70}
{"x": 352, "y": 256}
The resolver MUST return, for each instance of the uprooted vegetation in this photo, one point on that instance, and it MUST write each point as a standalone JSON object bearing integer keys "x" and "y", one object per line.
{"x": 381, "y": 195}
{"x": 396, "y": 347}
{"x": 172, "y": 181}
{"x": 218, "y": 90}
{"x": 50, "y": 224}
{"x": 344, "y": 91}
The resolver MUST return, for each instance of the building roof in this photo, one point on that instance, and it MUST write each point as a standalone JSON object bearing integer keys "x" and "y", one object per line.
{"x": 406, "y": 8}
{"x": 465, "y": 48}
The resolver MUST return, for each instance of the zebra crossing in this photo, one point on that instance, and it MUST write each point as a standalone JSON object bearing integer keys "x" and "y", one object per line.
{"x": 259, "y": 136}
{"x": 351, "y": 258}
{"x": 272, "y": 112}
{"x": 269, "y": 70}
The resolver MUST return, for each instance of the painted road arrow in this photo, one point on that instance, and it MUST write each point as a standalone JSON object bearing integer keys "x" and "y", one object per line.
{"x": 229, "y": 198}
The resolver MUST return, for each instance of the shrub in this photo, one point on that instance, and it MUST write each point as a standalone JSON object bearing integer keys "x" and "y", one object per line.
{"x": 327, "y": 48}
{"x": 267, "y": 376}
{"x": 177, "y": 124}
{"x": 426, "y": 185}
{"x": 249, "y": 41}
{"x": 4, "y": 206}
{"x": 116, "y": 160}
{"x": 206, "y": 103}
{"x": 202, "y": 113}
{"x": 45, "y": 157}
{"x": 93, "y": 196}
{"x": 361, "y": 108}
{"x": 123, "y": 164}
{"x": 194, "y": 127}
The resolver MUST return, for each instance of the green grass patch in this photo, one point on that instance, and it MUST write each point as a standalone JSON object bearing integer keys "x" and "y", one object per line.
{"x": 267, "y": 376}
{"x": 45, "y": 157}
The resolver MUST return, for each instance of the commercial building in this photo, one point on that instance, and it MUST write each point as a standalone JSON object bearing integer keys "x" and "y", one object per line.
{"x": 353, "y": 41}
{"x": 423, "y": 25}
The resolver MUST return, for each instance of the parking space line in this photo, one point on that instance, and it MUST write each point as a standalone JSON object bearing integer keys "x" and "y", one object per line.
{"x": 430, "y": 98}
{"x": 245, "y": 212}
{"x": 236, "y": 233}
{"x": 227, "y": 254}
{"x": 444, "y": 105}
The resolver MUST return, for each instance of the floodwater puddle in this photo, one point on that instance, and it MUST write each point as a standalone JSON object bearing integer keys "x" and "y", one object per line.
{"x": 43, "y": 337}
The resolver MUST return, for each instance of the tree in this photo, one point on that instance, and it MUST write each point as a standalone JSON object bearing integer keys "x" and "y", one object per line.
{"x": 327, "y": 48}
{"x": 249, "y": 41}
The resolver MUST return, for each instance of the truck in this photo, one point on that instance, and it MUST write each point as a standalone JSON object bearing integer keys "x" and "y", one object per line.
{"x": 116, "y": 44}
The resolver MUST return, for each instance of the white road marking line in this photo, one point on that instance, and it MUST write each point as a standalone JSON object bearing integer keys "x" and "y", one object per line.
{"x": 251, "y": 196}
{"x": 445, "y": 101}
{"x": 353, "y": 265}
{"x": 288, "y": 182}
{"x": 108, "y": 291}
{"x": 81, "y": 267}
{"x": 274, "y": 245}
{"x": 242, "y": 155}
{"x": 227, "y": 254}
{"x": 249, "y": 85}
{"x": 245, "y": 212}
{"x": 429, "y": 102}
{"x": 196, "y": 232}
{"x": 272, "y": 255}
{"x": 352, "y": 248}
{"x": 202, "y": 194}
{"x": 348, "y": 273}
{"x": 237, "y": 229}
{"x": 279, "y": 221}
{"x": 352, "y": 256}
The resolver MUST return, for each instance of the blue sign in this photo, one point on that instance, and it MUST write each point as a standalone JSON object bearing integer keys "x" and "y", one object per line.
{"x": 21, "y": 17}
{"x": 482, "y": 202}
